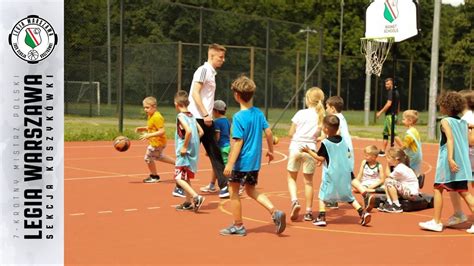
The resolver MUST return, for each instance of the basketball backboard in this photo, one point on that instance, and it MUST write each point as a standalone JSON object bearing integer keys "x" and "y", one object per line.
{"x": 392, "y": 18}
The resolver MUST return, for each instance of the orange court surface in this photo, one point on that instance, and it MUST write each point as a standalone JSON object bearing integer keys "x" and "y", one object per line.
{"x": 112, "y": 217}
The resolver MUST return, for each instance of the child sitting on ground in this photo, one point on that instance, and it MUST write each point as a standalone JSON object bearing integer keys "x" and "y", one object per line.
{"x": 401, "y": 182}
{"x": 370, "y": 176}
{"x": 336, "y": 177}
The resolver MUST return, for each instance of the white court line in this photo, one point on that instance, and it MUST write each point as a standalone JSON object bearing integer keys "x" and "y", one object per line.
{"x": 130, "y": 210}
{"x": 77, "y": 214}
{"x": 118, "y": 175}
{"x": 153, "y": 208}
{"x": 104, "y": 212}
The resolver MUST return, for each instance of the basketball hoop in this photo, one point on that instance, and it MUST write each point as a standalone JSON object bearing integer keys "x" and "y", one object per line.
{"x": 375, "y": 51}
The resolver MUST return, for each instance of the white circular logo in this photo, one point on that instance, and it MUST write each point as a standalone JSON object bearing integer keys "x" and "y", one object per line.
{"x": 33, "y": 39}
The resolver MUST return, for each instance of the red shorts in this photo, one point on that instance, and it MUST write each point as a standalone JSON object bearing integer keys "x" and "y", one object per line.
{"x": 183, "y": 173}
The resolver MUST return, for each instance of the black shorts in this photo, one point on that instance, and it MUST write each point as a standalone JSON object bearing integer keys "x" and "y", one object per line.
{"x": 250, "y": 178}
{"x": 455, "y": 186}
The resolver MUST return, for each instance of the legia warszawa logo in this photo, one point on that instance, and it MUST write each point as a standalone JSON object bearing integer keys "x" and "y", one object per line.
{"x": 33, "y": 39}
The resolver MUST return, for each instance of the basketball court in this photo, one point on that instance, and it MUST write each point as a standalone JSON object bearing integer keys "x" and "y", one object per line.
{"x": 111, "y": 216}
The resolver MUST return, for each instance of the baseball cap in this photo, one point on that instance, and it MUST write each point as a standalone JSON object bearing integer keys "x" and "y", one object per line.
{"x": 220, "y": 105}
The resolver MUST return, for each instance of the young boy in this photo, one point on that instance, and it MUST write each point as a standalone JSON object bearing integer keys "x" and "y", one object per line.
{"x": 187, "y": 143}
{"x": 336, "y": 178}
{"x": 334, "y": 106}
{"x": 370, "y": 176}
{"x": 245, "y": 157}
{"x": 154, "y": 132}
{"x": 222, "y": 129}
{"x": 411, "y": 143}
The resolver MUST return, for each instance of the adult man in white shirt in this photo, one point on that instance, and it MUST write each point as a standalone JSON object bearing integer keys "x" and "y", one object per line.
{"x": 201, "y": 104}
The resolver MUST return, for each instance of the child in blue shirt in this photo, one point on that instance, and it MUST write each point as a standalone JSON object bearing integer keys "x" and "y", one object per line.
{"x": 453, "y": 169}
{"x": 187, "y": 143}
{"x": 245, "y": 158}
{"x": 222, "y": 134}
{"x": 337, "y": 172}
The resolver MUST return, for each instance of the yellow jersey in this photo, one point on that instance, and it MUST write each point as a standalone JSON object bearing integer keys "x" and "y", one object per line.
{"x": 154, "y": 123}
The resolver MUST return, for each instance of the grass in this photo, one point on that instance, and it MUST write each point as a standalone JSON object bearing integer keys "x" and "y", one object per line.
{"x": 84, "y": 128}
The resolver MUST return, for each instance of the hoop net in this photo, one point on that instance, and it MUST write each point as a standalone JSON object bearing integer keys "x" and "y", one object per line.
{"x": 375, "y": 51}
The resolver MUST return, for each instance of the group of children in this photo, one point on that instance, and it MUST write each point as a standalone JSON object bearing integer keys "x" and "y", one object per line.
{"x": 310, "y": 126}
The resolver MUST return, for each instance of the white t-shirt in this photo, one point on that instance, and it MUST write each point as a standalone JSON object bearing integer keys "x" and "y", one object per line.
{"x": 344, "y": 131}
{"x": 469, "y": 117}
{"x": 407, "y": 177}
{"x": 306, "y": 131}
{"x": 206, "y": 75}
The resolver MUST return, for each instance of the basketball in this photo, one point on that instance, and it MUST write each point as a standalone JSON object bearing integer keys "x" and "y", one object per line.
{"x": 121, "y": 143}
{"x": 275, "y": 140}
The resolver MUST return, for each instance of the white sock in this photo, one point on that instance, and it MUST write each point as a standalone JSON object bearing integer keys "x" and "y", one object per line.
{"x": 389, "y": 201}
{"x": 396, "y": 202}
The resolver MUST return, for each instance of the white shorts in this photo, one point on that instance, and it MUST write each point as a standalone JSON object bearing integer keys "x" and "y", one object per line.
{"x": 369, "y": 182}
{"x": 297, "y": 158}
{"x": 153, "y": 153}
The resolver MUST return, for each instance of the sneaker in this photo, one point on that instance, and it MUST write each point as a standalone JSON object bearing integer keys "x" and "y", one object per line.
{"x": 320, "y": 221}
{"x": 224, "y": 193}
{"x": 395, "y": 209}
{"x": 308, "y": 216}
{"x": 421, "y": 180}
{"x": 179, "y": 192}
{"x": 279, "y": 218}
{"x": 365, "y": 218}
{"x": 211, "y": 188}
{"x": 431, "y": 225}
{"x": 295, "y": 210}
{"x": 233, "y": 230}
{"x": 332, "y": 205}
{"x": 384, "y": 207}
{"x": 198, "y": 201}
{"x": 369, "y": 202}
{"x": 381, "y": 153}
{"x": 456, "y": 219}
{"x": 186, "y": 206}
{"x": 471, "y": 230}
{"x": 152, "y": 179}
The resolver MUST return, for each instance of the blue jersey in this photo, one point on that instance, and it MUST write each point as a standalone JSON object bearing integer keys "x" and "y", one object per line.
{"x": 191, "y": 158}
{"x": 336, "y": 180}
{"x": 461, "y": 154}
{"x": 248, "y": 125}
{"x": 222, "y": 125}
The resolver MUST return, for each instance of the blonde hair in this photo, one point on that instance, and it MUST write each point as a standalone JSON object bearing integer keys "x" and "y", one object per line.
{"x": 314, "y": 99}
{"x": 150, "y": 100}
{"x": 399, "y": 155}
{"x": 412, "y": 115}
{"x": 372, "y": 150}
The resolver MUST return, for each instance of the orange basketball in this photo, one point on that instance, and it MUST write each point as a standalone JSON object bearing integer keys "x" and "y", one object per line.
{"x": 121, "y": 143}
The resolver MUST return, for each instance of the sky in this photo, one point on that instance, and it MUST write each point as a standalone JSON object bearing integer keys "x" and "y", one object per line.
{"x": 453, "y": 2}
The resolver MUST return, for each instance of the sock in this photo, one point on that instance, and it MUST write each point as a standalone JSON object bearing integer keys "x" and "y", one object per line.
{"x": 389, "y": 201}
{"x": 294, "y": 201}
{"x": 360, "y": 210}
{"x": 396, "y": 202}
{"x": 309, "y": 210}
{"x": 322, "y": 214}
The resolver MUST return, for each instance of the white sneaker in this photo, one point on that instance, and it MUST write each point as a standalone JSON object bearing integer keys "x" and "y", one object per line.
{"x": 471, "y": 230}
{"x": 431, "y": 225}
{"x": 456, "y": 219}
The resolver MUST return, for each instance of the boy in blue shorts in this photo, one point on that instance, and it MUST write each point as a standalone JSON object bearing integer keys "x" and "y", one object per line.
{"x": 337, "y": 172}
{"x": 222, "y": 134}
{"x": 187, "y": 143}
{"x": 245, "y": 157}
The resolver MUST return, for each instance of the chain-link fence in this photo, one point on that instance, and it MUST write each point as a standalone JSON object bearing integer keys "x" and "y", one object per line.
{"x": 277, "y": 66}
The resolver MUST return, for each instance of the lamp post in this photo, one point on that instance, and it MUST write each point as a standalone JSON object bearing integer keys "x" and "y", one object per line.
{"x": 308, "y": 30}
